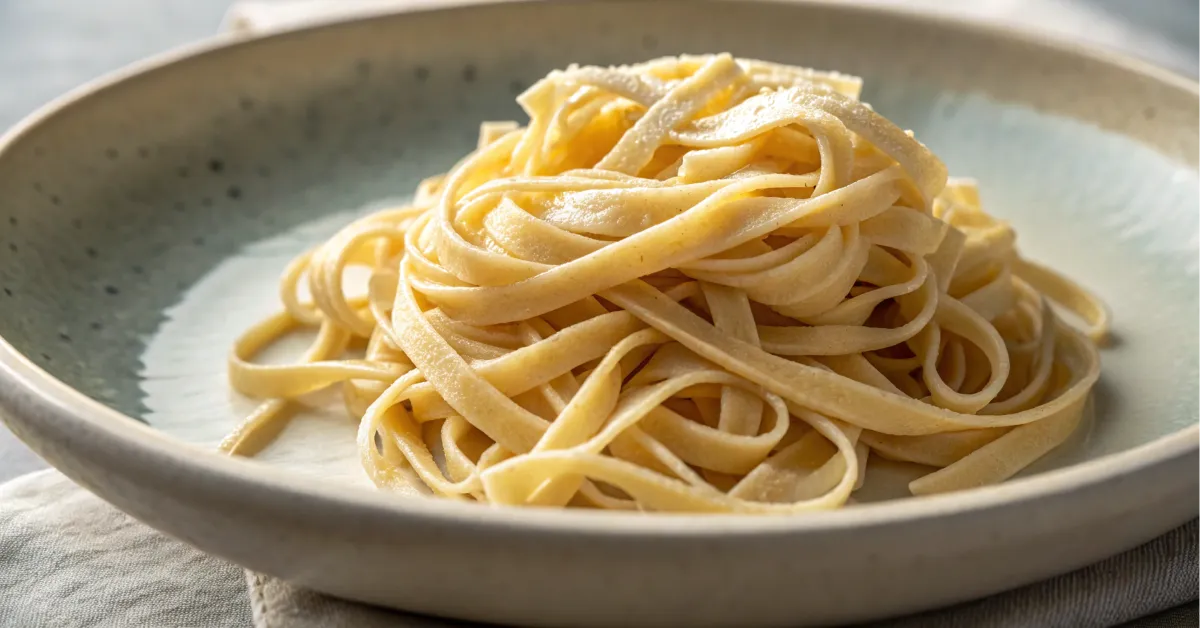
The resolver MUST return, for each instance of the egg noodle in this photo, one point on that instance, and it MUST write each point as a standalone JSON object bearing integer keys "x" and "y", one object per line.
{"x": 698, "y": 284}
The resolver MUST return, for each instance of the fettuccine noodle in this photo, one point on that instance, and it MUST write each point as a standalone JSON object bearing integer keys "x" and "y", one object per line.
{"x": 698, "y": 284}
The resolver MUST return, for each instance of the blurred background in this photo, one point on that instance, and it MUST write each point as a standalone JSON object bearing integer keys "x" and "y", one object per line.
{"x": 48, "y": 47}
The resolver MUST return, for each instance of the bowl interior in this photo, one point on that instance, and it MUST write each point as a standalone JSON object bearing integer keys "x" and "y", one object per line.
{"x": 144, "y": 226}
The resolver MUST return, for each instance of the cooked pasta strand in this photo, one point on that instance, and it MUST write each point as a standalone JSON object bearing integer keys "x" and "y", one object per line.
{"x": 698, "y": 284}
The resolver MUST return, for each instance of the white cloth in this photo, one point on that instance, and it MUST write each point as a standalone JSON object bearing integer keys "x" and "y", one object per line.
{"x": 69, "y": 560}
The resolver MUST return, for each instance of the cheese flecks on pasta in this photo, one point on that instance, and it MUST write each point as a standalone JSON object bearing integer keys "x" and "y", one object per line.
{"x": 698, "y": 284}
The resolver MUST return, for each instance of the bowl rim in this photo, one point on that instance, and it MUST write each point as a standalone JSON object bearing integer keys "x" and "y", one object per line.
{"x": 28, "y": 390}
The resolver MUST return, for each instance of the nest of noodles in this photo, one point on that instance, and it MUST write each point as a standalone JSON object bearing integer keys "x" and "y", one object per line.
{"x": 697, "y": 284}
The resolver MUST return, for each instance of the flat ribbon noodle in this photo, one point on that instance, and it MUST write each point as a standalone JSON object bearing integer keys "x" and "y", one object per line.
{"x": 698, "y": 284}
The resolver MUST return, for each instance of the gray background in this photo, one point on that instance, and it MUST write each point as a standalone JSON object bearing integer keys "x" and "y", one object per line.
{"x": 50, "y": 46}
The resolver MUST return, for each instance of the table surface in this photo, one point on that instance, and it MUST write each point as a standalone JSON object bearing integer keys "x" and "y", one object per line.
{"x": 50, "y": 46}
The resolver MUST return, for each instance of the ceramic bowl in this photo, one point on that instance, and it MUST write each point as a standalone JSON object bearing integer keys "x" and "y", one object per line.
{"x": 144, "y": 220}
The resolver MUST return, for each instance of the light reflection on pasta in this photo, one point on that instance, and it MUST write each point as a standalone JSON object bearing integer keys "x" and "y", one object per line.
{"x": 698, "y": 284}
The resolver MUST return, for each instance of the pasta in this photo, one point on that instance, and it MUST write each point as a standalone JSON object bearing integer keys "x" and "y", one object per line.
{"x": 696, "y": 284}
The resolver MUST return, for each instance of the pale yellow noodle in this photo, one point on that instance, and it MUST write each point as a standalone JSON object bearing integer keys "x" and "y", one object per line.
{"x": 694, "y": 284}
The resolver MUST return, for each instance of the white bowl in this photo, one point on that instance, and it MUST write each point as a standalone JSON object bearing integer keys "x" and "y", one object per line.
{"x": 122, "y": 201}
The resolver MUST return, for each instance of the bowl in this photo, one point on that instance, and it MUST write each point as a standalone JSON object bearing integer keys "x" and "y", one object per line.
{"x": 146, "y": 216}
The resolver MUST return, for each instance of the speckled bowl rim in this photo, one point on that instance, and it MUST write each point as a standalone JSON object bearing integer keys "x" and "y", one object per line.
{"x": 118, "y": 440}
